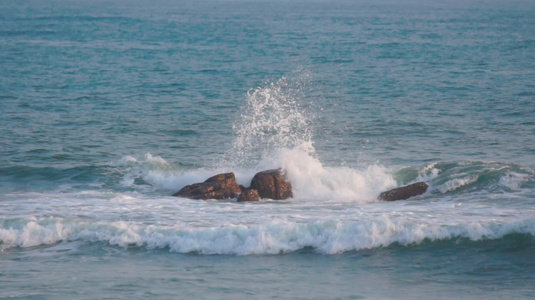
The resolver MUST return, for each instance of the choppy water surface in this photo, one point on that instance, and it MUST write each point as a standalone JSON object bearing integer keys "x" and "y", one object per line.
{"x": 107, "y": 108}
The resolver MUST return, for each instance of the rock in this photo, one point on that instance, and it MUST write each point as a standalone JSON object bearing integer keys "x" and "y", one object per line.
{"x": 248, "y": 195}
{"x": 221, "y": 177}
{"x": 404, "y": 192}
{"x": 221, "y": 186}
{"x": 271, "y": 184}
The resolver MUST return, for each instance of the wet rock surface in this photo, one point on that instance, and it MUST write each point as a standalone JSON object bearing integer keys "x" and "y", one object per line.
{"x": 404, "y": 192}
{"x": 248, "y": 195}
{"x": 220, "y": 186}
{"x": 271, "y": 184}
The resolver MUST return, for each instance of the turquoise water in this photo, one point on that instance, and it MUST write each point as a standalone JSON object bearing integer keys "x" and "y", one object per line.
{"x": 109, "y": 107}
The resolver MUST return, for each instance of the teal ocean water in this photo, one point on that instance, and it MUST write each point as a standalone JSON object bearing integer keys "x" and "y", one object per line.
{"x": 109, "y": 107}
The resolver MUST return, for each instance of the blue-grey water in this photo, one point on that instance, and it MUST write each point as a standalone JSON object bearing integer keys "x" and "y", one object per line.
{"x": 109, "y": 107}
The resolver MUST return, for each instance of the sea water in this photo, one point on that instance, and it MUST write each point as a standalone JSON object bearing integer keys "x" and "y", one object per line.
{"x": 109, "y": 107}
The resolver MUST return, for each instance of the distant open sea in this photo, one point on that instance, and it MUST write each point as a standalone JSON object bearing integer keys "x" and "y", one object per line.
{"x": 108, "y": 107}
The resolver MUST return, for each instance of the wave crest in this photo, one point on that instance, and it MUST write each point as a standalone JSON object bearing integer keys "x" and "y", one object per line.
{"x": 274, "y": 237}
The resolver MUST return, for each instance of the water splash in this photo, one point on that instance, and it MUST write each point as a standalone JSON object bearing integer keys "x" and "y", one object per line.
{"x": 272, "y": 119}
{"x": 274, "y": 130}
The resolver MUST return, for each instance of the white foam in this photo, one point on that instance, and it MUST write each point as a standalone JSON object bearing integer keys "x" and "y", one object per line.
{"x": 149, "y": 161}
{"x": 269, "y": 227}
{"x": 312, "y": 180}
{"x": 514, "y": 180}
{"x": 428, "y": 173}
{"x": 270, "y": 237}
{"x": 454, "y": 184}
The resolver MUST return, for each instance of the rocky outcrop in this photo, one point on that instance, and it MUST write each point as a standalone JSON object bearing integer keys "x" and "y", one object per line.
{"x": 248, "y": 195}
{"x": 266, "y": 184}
{"x": 404, "y": 192}
{"x": 271, "y": 184}
{"x": 221, "y": 186}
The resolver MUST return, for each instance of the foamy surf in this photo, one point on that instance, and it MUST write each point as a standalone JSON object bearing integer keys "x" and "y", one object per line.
{"x": 311, "y": 180}
{"x": 246, "y": 236}
{"x": 314, "y": 182}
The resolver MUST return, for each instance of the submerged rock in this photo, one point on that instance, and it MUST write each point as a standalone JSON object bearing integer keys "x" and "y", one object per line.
{"x": 404, "y": 192}
{"x": 221, "y": 186}
{"x": 248, "y": 195}
{"x": 271, "y": 184}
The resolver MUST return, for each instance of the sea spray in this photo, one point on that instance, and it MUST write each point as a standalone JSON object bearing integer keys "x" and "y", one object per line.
{"x": 274, "y": 129}
{"x": 272, "y": 118}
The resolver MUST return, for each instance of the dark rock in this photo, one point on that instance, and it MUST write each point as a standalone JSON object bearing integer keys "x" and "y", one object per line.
{"x": 248, "y": 195}
{"x": 271, "y": 184}
{"x": 404, "y": 192}
{"x": 221, "y": 186}
{"x": 221, "y": 177}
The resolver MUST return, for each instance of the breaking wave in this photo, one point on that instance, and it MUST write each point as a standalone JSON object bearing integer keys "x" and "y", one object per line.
{"x": 273, "y": 237}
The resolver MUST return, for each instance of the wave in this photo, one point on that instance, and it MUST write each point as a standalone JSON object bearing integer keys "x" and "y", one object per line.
{"x": 313, "y": 181}
{"x": 310, "y": 179}
{"x": 475, "y": 176}
{"x": 274, "y": 237}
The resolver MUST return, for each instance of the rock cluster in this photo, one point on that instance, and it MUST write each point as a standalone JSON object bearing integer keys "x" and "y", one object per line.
{"x": 269, "y": 184}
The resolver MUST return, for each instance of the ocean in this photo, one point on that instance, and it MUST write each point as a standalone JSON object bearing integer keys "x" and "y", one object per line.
{"x": 108, "y": 107}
